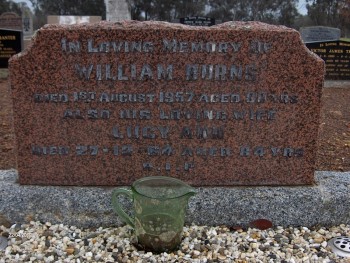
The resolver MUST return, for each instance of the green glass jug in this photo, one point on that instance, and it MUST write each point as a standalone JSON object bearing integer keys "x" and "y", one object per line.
{"x": 159, "y": 203}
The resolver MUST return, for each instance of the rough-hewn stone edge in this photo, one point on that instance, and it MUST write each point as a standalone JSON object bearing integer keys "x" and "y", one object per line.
{"x": 239, "y": 26}
{"x": 133, "y": 24}
{"x": 326, "y": 203}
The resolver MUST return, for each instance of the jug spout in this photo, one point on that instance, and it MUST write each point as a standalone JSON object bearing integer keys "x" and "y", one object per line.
{"x": 191, "y": 192}
{"x": 187, "y": 190}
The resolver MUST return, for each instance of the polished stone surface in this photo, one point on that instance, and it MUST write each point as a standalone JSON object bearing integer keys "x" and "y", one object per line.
{"x": 108, "y": 103}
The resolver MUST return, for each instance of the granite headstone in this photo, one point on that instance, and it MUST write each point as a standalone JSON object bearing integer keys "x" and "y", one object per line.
{"x": 319, "y": 33}
{"x": 117, "y": 10}
{"x": 10, "y": 44}
{"x": 336, "y": 55}
{"x": 10, "y": 20}
{"x": 27, "y": 22}
{"x": 197, "y": 21}
{"x": 72, "y": 20}
{"x": 107, "y": 103}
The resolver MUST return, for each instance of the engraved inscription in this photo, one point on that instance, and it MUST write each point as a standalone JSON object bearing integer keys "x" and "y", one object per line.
{"x": 138, "y": 132}
{"x": 50, "y": 150}
{"x": 160, "y": 123}
{"x": 136, "y": 72}
{"x": 175, "y": 45}
{"x": 168, "y": 150}
{"x": 247, "y": 151}
{"x": 122, "y": 72}
{"x": 182, "y": 97}
{"x": 221, "y": 72}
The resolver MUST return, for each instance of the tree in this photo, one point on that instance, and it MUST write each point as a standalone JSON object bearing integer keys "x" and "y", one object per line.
{"x": 161, "y": 10}
{"x": 9, "y": 6}
{"x": 270, "y": 11}
{"x": 288, "y": 13}
{"x": 324, "y": 12}
{"x": 42, "y": 8}
{"x": 185, "y": 8}
{"x": 166, "y": 10}
{"x": 345, "y": 17}
{"x": 140, "y": 9}
{"x": 68, "y": 7}
{"x": 224, "y": 10}
{"x": 302, "y": 21}
{"x": 333, "y": 13}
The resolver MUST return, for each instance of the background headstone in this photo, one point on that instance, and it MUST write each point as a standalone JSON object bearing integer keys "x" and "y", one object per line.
{"x": 319, "y": 33}
{"x": 10, "y": 20}
{"x": 72, "y": 20}
{"x": 10, "y": 44}
{"x": 117, "y": 10}
{"x": 336, "y": 55}
{"x": 27, "y": 22}
{"x": 197, "y": 21}
{"x": 105, "y": 104}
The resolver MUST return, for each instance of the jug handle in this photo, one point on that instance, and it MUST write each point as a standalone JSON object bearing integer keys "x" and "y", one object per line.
{"x": 117, "y": 207}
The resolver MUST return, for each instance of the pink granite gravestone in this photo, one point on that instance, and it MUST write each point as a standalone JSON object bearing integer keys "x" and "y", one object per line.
{"x": 107, "y": 103}
{"x": 10, "y": 20}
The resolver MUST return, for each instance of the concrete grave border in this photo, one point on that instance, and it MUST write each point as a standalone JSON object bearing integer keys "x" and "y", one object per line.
{"x": 326, "y": 203}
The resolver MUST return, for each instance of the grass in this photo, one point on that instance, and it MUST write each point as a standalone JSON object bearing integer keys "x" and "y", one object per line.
{"x": 345, "y": 39}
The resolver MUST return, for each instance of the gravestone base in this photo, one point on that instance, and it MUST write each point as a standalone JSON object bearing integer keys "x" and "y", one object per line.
{"x": 326, "y": 203}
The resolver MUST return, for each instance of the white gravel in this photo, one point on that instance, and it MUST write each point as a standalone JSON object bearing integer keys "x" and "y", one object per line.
{"x": 38, "y": 242}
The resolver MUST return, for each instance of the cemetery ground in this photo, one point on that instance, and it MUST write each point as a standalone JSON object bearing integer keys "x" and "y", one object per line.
{"x": 334, "y": 134}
